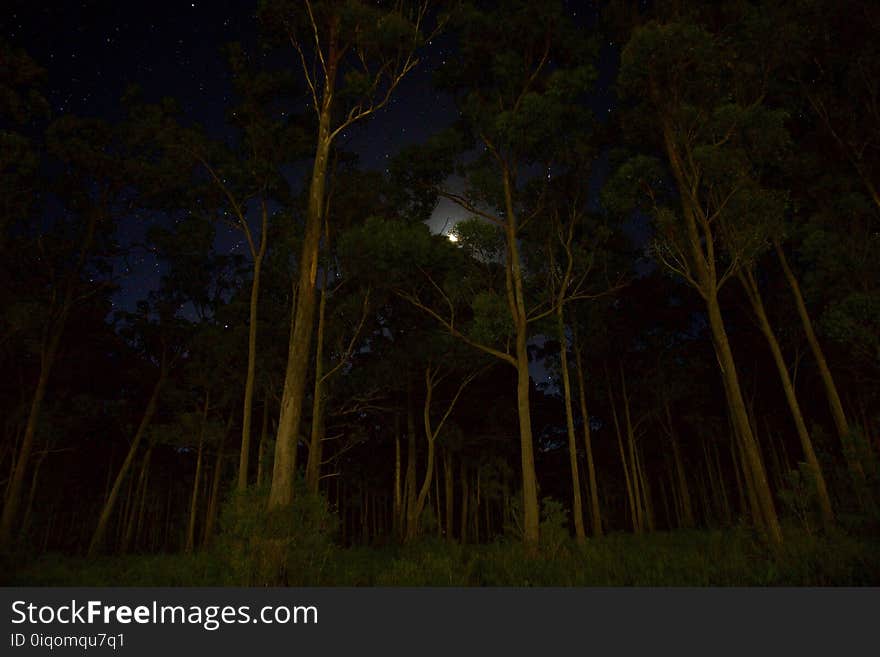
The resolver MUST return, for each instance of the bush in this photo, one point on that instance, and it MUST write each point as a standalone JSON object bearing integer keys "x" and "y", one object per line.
{"x": 290, "y": 547}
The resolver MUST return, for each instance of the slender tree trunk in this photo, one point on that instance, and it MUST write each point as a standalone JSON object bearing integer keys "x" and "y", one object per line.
{"x": 630, "y": 497}
{"x": 51, "y": 341}
{"x": 577, "y": 509}
{"x": 32, "y": 493}
{"x": 140, "y": 488}
{"x": 22, "y": 460}
{"x": 725, "y": 500}
{"x": 464, "y": 503}
{"x": 214, "y": 500}
{"x": 261, "y": 448}
{"x": 753, "y": 293}
{"x": 701, "y": 244}
{"x": 409, "y": 488}
{"x": 713, "y": 484}
{"x": 244, "y": 456}
{"x": 665, "y": 499}
{"x": 840, "y": 420}
{"x": 751, "y": 453}
{"x": 450, "y": 494}
{"x": 687, "y": 513}
{"x": 740, "y": 484}
{"x": 103, "y": 520}
{"x": 631, "y": 446}
{"x": 644, "y": 482}
{"x": 431, "y": 432}
{"x": 398, "y": 499}
{"x": 194, "y": 499}
{"x": 284, "y": 468}
{"x": 316, "y": 442}
{"x": 142, "y": 508}
{"x": 595, "y": 514}
{"x": 516, "y": 302}
{"x": 437, "y": 498}
{"x": 124, "y": 514}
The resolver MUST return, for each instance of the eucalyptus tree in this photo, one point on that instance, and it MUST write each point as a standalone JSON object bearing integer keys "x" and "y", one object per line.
{"x": 568, "y": 263}
{"x": 194, "y": 284}
{"x": 709, "y": 120}
{"x": 353, "y": 55}
{"x": 520, "y": 73}
{"x": 64, "y": 252}
{"x": 237, "y": 181}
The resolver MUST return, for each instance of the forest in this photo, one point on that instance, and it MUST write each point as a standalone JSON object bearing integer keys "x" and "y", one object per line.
{"x": 611, "y": 318}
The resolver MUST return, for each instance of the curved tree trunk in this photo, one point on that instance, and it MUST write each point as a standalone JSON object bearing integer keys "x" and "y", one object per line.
{"x": 284, "y": 467}
{"x": 104, "y": 518}
{"x": 754, "y": 295}
{"x": 244, "y": 456}
{"x": 751, "y": 454}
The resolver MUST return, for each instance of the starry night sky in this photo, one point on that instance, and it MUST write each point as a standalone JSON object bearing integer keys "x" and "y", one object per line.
{"x": 93, "y": 50}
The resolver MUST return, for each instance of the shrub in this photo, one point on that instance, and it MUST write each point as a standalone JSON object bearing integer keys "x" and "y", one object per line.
{"x": 289, "y": 547}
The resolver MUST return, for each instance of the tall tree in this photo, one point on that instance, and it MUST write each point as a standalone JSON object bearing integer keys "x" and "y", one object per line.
{"x": 519, "y": 75}
{"x": 91, "y": 191}
{"x": 353, "y": 55}
{"x": 706, "y": 117}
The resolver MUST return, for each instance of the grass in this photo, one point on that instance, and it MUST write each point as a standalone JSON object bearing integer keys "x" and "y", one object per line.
{"x": 733, "y": 557}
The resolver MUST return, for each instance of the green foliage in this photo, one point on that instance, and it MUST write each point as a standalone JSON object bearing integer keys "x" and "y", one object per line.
{"x": 491, "y": 318}
{"x": 854, "y": 321}
{"x": 683, "y": 558}
{"x": 800, "y": 497}
{"x": 271, "y": 548}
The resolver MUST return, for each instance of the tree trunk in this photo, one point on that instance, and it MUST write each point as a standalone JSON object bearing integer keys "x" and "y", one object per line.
{"x": 194, "y": 499}
{"x": 51, "y": 341}
{"x": 450, "y": 494}
{"x": 753, "y": 293}
{"x": 398, "y": 499}
{"x": 316, "y": 441}
{"x": 630, "y": 497}
{"x": 464, "y": 503}
{"x": 595, "y": 515}
{"x": 103, "y": 520}
{"x": 840, "y": 420}
{"x": 214, "y": 501}
{"x": 244, "y": 456}
{"x": 134, "y": 515}
{"x": 22, "y": 460}
{"x": 751, "y": 453}
{"x": 284, "y": 468}
{"x": 634, "y": 470}
{"x": 516, "y": 302}
{"x": 409, "y": 487}
{"x": 32, "y": 493}
{"x": 577, "y": 509}
{"x": 261, "y": 448}
{"x": 701, "y": 245}
{"x": 687, "y": 513}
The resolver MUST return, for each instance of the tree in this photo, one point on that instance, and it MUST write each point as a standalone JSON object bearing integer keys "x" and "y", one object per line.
{"x": 91, "y": 190}
{"x": 512, "y": 100}
{"x": 353, "y": 56}
{"x": 715, "y": 133}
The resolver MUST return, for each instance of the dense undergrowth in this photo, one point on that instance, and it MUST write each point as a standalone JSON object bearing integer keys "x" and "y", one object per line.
{"x": 264, "y": 549}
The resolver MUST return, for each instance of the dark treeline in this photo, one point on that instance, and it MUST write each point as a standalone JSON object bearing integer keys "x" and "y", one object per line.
{"x": 660, "y": 316}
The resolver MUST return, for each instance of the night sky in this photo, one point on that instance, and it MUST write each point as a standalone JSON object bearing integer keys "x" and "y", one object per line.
{"x": 94, "y": 50}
